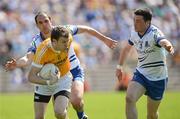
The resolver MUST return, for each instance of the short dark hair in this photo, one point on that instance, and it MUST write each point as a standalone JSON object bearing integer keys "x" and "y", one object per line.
{"x": 39, "y": 13}
{"x": 145, "y": 12}
{"x": 58, "y": 32}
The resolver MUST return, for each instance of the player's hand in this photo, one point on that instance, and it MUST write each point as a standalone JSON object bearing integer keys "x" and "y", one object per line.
{"x": 170, "y": 49}
{"x": 10, "y": 65}
{"x": 119, "y": 74}
{"x": 111, "y": 43}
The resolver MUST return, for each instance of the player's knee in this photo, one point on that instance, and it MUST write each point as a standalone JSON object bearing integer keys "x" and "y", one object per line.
{"x": 60, "y": 114}
{"x": 77, "y": 101}
{"x": 130, "y": 99}
{"x": 77, "y": 104}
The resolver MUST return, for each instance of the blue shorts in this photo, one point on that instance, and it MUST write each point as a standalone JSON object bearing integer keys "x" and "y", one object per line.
{"x": 154, "y": 89}
{"x": 77, "y": 73}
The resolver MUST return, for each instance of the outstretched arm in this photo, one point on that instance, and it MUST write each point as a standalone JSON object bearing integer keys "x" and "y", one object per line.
{"x": 167, "y": 45}
{"x": 21, "y": 62}
{"x": 108, "y": 41}
{"x": 123, "y": 54}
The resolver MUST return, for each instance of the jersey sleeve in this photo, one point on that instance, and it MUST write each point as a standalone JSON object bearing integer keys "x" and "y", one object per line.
{"x": 35, "y": 43}
{"x": 37, "y": 62}
{"x": 32, "y": 47}
{"x": 158, "y": 36}
{"x": 130, "y": 41}
{"x": 73, "y": 58}
{"x": 76, "y": 69}
{"x": 72, "y": 28}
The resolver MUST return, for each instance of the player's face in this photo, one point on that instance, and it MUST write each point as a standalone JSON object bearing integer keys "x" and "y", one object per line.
{"x": 139, "y": 24}
{"x": 61, "y": 44}
{"x": 44, "y": 24}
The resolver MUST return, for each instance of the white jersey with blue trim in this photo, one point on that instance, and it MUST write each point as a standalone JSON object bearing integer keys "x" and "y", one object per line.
{"x": 72, "y": 56}
{"x": 37, "y": 39}
{"x": 151, "y": 56}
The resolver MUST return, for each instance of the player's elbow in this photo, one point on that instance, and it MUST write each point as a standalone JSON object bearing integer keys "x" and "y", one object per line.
{"x": 85, "y": 29}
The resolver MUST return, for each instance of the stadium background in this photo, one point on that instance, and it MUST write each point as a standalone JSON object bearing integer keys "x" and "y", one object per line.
{"x": 113, "y": 18}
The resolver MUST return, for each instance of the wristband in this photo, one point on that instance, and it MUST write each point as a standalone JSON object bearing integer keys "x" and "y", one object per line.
{"x": 48, "y": 82}
{"x": 119, "y": 66}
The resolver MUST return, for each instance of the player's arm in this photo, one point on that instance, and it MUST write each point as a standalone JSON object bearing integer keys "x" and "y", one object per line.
{"x": 108, "y": 41}
{"x": 26, "y": 60}
{"x": 33, "y": 77}
{"x": 167, "y": 45}
{"x": 123, "y": 54}
{"x": 163, "y": 42}
{"x": 21, "y": 62}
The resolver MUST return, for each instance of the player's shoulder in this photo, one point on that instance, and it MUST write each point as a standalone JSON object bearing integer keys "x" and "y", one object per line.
{"x": 36, "y": 37}
{"x": 155, "y": 29}
{"x": 44, "y": 45}
{"x": 156, "y": 32}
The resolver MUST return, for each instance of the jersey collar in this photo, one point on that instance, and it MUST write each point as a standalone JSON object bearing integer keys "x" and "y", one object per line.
{"x": 147, "y": 31}
{"x": 42, "y": 37}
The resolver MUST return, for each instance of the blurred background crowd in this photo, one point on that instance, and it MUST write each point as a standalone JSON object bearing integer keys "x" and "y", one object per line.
{"x": 114, "y": 18}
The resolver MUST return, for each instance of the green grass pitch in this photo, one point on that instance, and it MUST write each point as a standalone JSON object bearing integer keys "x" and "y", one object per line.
{"x": 98, "y": 105}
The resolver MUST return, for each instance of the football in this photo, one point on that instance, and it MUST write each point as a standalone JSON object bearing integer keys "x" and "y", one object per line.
{"x": 49, "y": 69}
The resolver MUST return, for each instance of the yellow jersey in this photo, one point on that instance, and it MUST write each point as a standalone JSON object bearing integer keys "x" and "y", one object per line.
{"x": 46, "y": 54}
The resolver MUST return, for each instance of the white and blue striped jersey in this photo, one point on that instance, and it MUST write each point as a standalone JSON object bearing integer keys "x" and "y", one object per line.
{"x": 75, "y": 68}
{"x": 151, "y": 56}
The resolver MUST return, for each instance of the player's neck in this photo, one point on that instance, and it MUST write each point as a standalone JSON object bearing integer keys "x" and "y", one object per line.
{"x": 45, "y": 36}
{"x": 144, "y": 31}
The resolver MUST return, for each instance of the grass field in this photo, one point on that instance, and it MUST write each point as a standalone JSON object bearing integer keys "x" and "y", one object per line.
{"x": 110, "y": 105}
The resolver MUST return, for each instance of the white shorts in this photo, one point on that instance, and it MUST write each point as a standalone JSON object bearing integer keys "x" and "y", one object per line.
{"x": 64, "y": 83}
